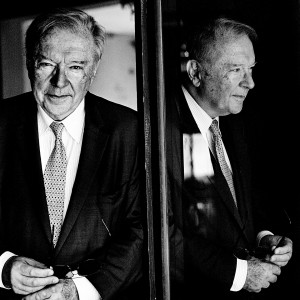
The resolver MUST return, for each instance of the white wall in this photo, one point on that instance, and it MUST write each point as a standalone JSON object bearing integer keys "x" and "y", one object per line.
{"x": 116, "y": 76}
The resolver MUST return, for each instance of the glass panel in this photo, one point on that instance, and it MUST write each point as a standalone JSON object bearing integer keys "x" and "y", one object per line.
{"x": 205, "y": 229}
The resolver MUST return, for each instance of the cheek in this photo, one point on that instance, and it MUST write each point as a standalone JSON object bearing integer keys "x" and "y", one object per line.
{"x": 226, "y": 85}
{"x": 39, "y": 81}
{"x": 85, "y": 82}
{"x": 219, "y": 88}
{"x": 227, "y": 89}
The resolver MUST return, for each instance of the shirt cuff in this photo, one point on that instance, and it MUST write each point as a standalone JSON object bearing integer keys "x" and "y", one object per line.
{"x": 240, "y": 275}
{"x": 3, "y": 259}
{"x": 261, "y": 234}
{"x": 86, "y": 291}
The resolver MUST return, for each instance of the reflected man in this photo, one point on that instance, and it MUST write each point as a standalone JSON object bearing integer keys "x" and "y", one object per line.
{"x": 211, "y": 193}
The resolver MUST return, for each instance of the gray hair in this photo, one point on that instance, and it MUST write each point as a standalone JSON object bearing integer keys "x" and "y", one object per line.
{"x": 201, "y": 42}
{"x": 72, "y": 19}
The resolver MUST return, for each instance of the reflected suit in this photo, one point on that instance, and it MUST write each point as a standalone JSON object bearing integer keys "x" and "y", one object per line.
{"x": 203, "y": 214}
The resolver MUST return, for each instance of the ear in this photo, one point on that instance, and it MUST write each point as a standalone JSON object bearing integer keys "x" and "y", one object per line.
{"x": 193, "y": 70}
{"x": 95, "y": 68}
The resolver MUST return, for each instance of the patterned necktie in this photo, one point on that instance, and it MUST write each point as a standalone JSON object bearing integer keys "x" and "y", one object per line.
{"x": 54, "y": 181}
{"x": 217, "y": 145}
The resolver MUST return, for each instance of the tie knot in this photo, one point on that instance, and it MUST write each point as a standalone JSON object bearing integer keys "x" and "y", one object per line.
{"x": 215, "y": 128}
{"x": 57, "y": 129}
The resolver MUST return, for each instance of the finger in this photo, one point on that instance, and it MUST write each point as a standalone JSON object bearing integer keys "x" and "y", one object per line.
{"x": 276, "y": 270}
{"x": 48, "y": 293}
{"x": 281, "y": 260}
{"x": 31, "y": 285}
{"x": 31, "y": 271}
{"x": 19, "y": 288}
{"x": 32, "y": 297}
{"x": 25, "y": 290}
{"x": 280, "y": 264}
{"x": 19, "y": 291}
{"x": 283, "y": 250}
{"x": 38, "y": 282}
{"x": 45, "y": 294}
{"x": 42, "y": 294}
{"x": 273, "y": 279}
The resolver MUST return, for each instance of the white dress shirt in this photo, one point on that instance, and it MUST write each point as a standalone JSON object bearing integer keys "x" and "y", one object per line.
{"x": 72, "y": 135}
{"x": 202, "y": 166}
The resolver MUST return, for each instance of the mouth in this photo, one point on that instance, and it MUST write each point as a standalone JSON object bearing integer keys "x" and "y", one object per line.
{"x": 240, "y": 97}
{"x": 57, "y": 97}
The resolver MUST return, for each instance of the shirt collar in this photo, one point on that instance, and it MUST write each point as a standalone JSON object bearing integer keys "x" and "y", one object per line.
{"x": 202, "y": 119}
{"x": 73, "y": 123}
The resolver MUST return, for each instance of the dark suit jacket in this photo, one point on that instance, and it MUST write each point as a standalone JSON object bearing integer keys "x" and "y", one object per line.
{"x": 203, "y": 213}
{"x": 106, "y": 190}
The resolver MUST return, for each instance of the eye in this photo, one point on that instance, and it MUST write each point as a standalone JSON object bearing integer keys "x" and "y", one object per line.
{"x": 76, "y": 68}
{"x": 236, "y": 70}
{"x": 44, "y": 65}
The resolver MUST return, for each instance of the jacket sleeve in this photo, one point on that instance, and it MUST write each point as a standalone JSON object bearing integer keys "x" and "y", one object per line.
{"x": 122, "y": 266}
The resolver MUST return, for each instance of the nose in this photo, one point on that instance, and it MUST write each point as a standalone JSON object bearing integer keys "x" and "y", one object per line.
{"x": 59, "y": 78}
{"x": 248, "y": 81}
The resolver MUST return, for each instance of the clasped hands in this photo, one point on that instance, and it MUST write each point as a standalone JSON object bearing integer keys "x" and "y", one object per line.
{"x": 35, "y": 281}
{"x": 262, "y": 272}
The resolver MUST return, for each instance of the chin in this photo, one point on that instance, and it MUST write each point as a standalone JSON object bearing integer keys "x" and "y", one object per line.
{"x": 237, "y": 110}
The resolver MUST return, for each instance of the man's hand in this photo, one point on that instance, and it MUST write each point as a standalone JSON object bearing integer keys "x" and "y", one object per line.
{"x": 282, "y": 248}
{"x": 64, "y": 290}
{"x": 260, "y": 274}
{"x": 27, "y": 275}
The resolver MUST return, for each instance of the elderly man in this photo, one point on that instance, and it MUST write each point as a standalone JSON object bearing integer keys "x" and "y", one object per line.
{"x": 70, "y": 223}
{"x": 214, "y": 210}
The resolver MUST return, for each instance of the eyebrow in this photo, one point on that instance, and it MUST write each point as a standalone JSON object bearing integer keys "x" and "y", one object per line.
{"x": 81, "y": 62}
{"x": 253, "y": 65}
{"x": 41, "y": 56}
{"x": 238, "y": 65}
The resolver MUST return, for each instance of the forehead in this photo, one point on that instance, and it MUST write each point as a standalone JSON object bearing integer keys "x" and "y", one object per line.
{"x": 236, "y": 50}
{"x": 66, "y": 42}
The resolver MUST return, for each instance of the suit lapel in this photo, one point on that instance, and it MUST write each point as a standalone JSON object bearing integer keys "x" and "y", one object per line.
{"x": 188, "y": 125}
{"x": 221, "y": 185}
{"x": 30, "y": 161}
{"x": 93, "y": 145}
{"x": 234, "y": 142}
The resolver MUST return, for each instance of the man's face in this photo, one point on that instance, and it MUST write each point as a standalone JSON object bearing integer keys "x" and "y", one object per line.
{"x": 227, "y": 77}
{"x": 63, "y": 72}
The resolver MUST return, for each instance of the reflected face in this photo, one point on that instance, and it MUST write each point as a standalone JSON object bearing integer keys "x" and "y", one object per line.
{"x": 227, "y": 77}
{"x": 63, "y": 72}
